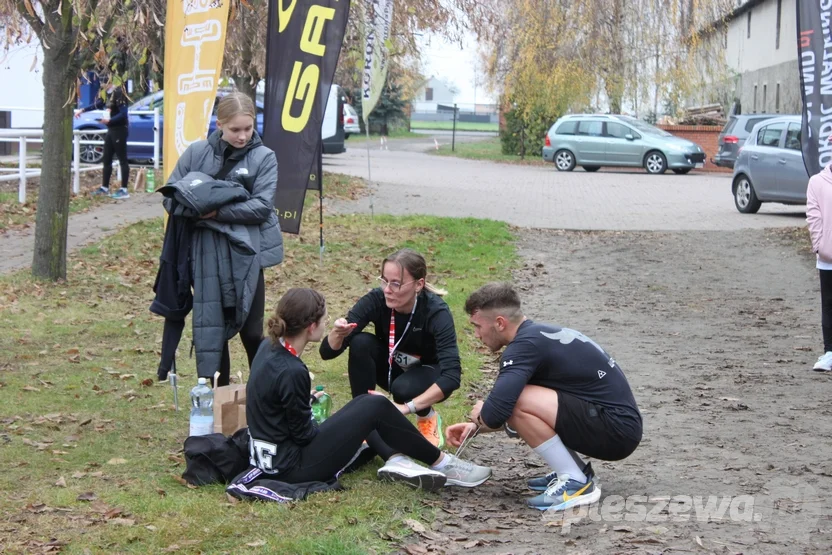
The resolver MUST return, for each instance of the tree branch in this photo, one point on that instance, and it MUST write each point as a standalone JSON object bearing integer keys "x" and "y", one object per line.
{"x": 31, "y": 18}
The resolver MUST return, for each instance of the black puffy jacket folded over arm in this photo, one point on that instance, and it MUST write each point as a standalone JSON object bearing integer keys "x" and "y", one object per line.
{"x": 260, "y": 206}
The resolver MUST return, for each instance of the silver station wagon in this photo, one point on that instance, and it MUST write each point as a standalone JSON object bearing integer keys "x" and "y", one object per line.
{"x": 592, "y": 141}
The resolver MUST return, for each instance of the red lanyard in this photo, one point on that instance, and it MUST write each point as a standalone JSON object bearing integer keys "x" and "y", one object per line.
{"x": 288, "y": 346}
{"x": 391, "y": 343}
{"x": 391, "y": 339}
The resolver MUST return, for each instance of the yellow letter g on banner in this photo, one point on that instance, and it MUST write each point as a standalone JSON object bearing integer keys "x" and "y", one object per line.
{"x": 303, "y": 91}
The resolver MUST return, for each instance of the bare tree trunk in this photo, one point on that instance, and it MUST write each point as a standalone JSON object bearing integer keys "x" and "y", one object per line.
{"x": 244, "y": 85}
{"x": 59, "y": 72}
{"x": 614, "y": 81}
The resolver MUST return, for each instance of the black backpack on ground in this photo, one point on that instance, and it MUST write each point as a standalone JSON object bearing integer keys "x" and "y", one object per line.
{"x": 215, "y": 458}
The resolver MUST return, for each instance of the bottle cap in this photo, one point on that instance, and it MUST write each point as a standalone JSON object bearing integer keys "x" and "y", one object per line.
{"x": 202, "y": 381}
{"x": 319, "y": 388}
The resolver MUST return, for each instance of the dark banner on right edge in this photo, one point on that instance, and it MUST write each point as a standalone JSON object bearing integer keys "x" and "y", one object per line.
{"x": 814, "y": 40}
{"x": 304, "y": 41}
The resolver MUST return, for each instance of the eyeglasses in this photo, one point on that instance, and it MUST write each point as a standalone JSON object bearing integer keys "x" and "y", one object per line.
{"x": 394, "y": 285}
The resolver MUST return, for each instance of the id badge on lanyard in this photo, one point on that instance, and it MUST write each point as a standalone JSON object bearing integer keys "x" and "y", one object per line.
{"x": 391, "y": 338}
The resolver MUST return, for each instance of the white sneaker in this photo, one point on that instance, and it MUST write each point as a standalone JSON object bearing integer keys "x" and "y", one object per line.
{"x": 824, "y": 363}
{"x": 464, "y": 473}
{"x": 402, "y": 469}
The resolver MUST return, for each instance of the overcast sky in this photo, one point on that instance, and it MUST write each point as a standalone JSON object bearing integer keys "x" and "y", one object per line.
{"x": 455, "y": 65}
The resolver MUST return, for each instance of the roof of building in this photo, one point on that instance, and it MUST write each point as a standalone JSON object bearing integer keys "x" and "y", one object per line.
{"x": 744, "y": 7}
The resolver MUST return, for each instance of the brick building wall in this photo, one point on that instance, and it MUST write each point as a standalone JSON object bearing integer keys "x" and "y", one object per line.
{"x": 706, "y": 136}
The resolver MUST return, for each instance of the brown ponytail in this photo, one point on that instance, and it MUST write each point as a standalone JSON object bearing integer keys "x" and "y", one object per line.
{"x": 295, "y": 311}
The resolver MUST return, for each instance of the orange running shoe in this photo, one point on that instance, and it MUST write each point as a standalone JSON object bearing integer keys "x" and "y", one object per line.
{"x": 431, "y": 429}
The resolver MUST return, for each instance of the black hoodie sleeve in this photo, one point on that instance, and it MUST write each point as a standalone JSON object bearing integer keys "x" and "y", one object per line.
{"x": 441, "y": 326}
{"x": 98, "y": 104}
{"x": 369, "y": 308}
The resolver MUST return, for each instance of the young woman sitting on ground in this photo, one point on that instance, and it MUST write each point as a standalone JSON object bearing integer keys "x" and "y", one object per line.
{"x": 287, "y": 445}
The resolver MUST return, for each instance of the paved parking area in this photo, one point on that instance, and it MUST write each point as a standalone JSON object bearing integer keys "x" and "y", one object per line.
{"x": 408, "y": 182}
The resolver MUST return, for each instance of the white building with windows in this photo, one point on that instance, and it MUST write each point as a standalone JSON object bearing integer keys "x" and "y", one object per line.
{"x": 22, "y": 95}
{"x": 432, "y": 94}
{"x": 759, "y": 39}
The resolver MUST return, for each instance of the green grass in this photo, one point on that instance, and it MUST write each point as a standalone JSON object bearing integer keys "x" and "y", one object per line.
{"x": 76, "y": 380}
{"x": 448, "y": 125}
{"x": 488, "y": 149}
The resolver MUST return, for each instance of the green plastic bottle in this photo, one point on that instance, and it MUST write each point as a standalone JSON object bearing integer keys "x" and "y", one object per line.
{"x": 151, "y": 181}
{"x": 321, "y": 406}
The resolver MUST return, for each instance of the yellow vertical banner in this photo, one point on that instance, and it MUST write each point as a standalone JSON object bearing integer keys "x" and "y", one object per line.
{"x": 194, "y": 47}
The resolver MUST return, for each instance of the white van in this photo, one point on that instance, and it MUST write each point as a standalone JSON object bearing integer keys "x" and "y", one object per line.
{"x": 332, "y": 127}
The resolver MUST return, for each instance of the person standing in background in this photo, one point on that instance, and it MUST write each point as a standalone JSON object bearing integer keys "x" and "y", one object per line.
{"x": 115, "y": 141}
{"x": 819, "y": 218}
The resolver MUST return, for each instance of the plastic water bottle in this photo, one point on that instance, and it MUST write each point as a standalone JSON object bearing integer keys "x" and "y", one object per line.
{"x": 151, "y": 181}
{"x": 202, "y": 409}
{"x": 321, "y": 406}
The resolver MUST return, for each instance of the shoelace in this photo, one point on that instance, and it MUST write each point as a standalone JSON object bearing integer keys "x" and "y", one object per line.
{"x": 557, "y": 484}
{"x": 465, "y": 466}
{"x": 551, "y": 476}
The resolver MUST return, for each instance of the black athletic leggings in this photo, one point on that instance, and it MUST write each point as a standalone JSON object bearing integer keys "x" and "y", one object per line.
{"x": 368, "y": 368}
{"x": 340, "y": 437}
{"x": 251, "y": 333}
{"x": 826, "y": 308}
{"x": 115, "y": 142}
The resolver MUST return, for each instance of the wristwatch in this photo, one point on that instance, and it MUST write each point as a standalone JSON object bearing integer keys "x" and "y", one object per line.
{"x": 411, "y": 406}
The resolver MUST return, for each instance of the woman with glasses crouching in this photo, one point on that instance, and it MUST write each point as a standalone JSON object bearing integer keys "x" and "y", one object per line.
{"x": 412, "y": 354}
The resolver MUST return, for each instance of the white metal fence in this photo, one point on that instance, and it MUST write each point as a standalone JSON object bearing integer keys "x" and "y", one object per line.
{"x": 25, "y": 136}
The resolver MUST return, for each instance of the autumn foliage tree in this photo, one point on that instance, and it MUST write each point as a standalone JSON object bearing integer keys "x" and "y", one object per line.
{"x": 66, "y": 29}
{"x": 548, "y": 56}
{"x": 117, "y": 38}
{"x": 245, "y": 45}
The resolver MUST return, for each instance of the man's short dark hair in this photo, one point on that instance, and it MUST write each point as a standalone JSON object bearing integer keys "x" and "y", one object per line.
{"x": 495, "y": 296}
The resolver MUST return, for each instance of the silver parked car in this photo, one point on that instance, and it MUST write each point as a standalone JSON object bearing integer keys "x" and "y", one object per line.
{"x": 733, "y": 135}
{"x": 592, "y": 141}
{"x": 351, "y": 126}
{"x": 769, "y": 167}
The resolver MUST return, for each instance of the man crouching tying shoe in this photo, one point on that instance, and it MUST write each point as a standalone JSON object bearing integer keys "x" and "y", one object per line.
{"x": 559, "y": 390}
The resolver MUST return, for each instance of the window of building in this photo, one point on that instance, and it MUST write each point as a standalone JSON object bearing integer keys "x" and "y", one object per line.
{"x": 765, "y": 91}
{"x": 777, "y": 34}
{"x": 777, "y": 99}
{"x": 754, "y": 111}
{"x": 428, "y": 94}
{"x": 748, "y": 34}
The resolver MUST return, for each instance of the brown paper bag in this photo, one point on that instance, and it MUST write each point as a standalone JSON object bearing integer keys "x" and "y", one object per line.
{"x": 229, "y": 408}
{"x": 141, "y": 179}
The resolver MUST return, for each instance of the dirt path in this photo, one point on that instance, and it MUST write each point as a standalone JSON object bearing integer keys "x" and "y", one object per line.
{"x": 717, "y": 332}
{"x": 84, "y": 228}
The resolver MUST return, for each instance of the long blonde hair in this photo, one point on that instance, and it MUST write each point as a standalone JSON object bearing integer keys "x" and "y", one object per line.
{"x": 234, "y": 104}
{"x": 415, "y": 264}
